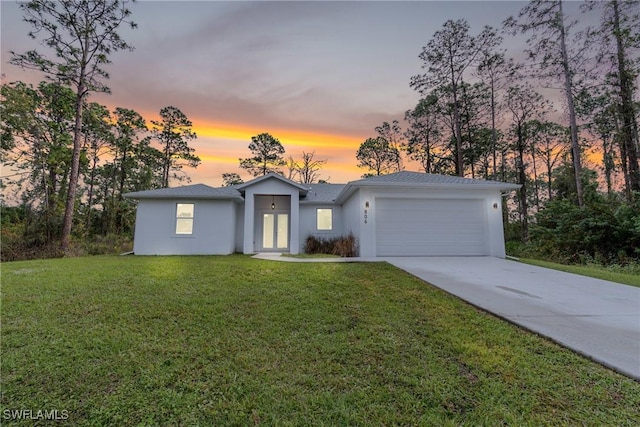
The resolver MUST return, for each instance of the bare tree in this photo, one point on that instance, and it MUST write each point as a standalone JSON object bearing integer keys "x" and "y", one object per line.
{"x": 307, "y": 171}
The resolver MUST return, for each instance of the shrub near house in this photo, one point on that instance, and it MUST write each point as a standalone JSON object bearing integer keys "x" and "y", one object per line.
{"x": 344, "y": 246}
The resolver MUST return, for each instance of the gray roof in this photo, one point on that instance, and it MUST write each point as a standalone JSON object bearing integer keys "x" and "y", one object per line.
{"x": 423, "y": 180}
{"x": 325, "y": 193}
{"x": 322, "y": 193}
{"x": 195, "y": 191}
{"x": 272, "y": 175}
{"x": 406, "y": 177}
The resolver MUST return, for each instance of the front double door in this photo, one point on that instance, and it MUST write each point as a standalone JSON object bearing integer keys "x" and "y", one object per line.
{"x": 275, "y": 231}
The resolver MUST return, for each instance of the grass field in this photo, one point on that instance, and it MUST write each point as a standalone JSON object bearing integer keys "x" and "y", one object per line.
{"x": 237, "y": 341}
{"x": 614, "y": 274}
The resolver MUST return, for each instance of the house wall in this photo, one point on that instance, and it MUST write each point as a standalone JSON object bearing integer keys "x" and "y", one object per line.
{"x": 493, "y": 216}
{"x": 214, "y": 228}
{"x": 367, "y": 241}
{"x": 495, "y": 224}
{"x": 353, "y": 216}
{"x": 308, "y": 222}
{"x": 239, "y": 229}
{"x": 270, "y": 187}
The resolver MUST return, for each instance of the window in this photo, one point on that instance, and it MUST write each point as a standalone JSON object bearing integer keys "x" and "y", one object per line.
{"x": 184, "y": 218}
{"x": 324, "y": 219}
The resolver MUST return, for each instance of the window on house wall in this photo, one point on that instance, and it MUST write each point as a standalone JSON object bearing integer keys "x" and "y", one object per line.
{"x": 184, "y": 218}
{"x": 324, "y": 219}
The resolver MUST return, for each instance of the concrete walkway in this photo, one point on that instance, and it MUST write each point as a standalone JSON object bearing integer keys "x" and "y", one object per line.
{"x": 277, "y": 256}
{"x": 596, "y": 318}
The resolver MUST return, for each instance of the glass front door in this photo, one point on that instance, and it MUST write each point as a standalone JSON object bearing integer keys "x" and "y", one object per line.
{"x": 275, "y": 231}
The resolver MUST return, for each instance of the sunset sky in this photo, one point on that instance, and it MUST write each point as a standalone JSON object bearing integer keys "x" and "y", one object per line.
{"x": 319, "y": 76}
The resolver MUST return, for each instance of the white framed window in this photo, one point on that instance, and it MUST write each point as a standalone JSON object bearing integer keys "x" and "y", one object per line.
{"x": 324, "y": 219}
{"x": 184, "y": 218}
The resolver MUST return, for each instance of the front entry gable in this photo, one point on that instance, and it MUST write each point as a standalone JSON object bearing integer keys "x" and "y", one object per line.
{"x": 271, "y": 214}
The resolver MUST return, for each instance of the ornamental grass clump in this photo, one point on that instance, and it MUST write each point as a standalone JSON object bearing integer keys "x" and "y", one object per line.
{"x": 344, "y": 246}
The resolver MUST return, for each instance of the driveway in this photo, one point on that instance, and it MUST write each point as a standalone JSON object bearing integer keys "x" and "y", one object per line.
{"x": 596, "y": 318}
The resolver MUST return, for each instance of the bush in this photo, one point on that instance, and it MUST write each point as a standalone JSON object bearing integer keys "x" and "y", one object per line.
{"x": 517, "y": 249}
{"x": 15, "y": 248}
{"x": 344, "y": 246}
{"x": 318, "y": 245}
{"x": 106, "y": 245}
{"x": 603, "y": 232}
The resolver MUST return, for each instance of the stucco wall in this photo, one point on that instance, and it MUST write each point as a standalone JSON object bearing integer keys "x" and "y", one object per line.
{"x": 353, "y": 216}
{"x": 239, "y": 227}
{"x": 270, "y": 187}
{"x": 214, "y": 228}
{"x": 308, "y": 223}
{"x": 492, "y": 224}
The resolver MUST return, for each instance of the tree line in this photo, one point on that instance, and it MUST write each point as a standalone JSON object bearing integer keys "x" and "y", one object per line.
{"x": 481, "y": 114}
{"x": 120, "y": 152}
{"x": 478, "y": 107}
{"x": 72, "y": 158}
{"x": 484, "y": 115}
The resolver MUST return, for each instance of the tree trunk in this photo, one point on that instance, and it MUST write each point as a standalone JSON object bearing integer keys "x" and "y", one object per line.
{"x": 522, "y": 177}
{"x": 568, "y": 88}
{"x": 458, "y": 126}
{"x": 494, "y": 136}
{"x": 536, "y": 189}
{"x": 90, "y": 193}
{"x": 549, "y": 172}
{"x": 166, "y": 165}
{"x": 75, "y": 166}
{"x": 627, "y": 112}
{"x": 607, "y": 159}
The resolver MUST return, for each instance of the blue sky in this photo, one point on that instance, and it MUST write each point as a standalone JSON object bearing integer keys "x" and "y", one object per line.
{"x": 317, "y": 75}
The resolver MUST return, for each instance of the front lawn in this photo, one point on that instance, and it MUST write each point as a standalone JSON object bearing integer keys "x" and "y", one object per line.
{"x": 626, "y": 276}
{"x": 237, "y": 341}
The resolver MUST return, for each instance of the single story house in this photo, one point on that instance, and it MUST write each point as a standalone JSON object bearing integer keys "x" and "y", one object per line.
{"x": 400, "y": 214}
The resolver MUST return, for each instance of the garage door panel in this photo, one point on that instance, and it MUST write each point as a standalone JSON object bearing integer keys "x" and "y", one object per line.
{"x": 430, "y": 227}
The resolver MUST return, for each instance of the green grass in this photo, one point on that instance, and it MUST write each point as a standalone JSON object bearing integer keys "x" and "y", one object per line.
{"x": 613, "y": 274}
{"x": 238, "y": 341}
{"x": 309, "y": 256}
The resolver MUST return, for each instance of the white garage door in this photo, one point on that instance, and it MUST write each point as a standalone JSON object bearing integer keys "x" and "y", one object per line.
{"x": 430, "y": 227}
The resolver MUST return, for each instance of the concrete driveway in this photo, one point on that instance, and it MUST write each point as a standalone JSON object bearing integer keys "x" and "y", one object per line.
{"x": 596, "y": 318}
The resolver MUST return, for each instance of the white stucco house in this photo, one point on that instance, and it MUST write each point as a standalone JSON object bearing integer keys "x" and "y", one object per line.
{"x": 401, "y": 214}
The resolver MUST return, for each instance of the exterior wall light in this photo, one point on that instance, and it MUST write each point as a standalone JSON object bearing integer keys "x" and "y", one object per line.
{"x": 273, "y": 202}
{"x": 495, "y": 206}
{"x": 366, "y": 204}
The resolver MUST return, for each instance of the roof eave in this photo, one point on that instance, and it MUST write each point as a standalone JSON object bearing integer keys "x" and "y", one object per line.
{"x": 181, "y": 197}
{"x": 303, "y": 190}
{"x": 489, "y": 185}
{"x": 317, "y": 202}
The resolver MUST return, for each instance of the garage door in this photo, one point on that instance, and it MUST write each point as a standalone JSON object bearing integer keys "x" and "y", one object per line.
{"x": 432, "y": 227}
